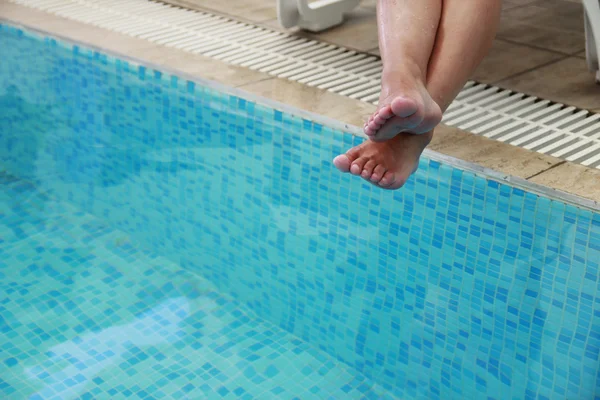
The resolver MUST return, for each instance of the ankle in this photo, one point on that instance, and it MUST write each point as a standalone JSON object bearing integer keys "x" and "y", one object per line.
{"x": 400, "y": 80}
{"x": 404, "y": 72}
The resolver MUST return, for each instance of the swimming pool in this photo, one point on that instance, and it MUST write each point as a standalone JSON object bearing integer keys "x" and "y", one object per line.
{"x": 162, "y": 238}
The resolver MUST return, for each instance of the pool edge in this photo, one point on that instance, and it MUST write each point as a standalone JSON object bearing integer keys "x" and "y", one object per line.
{"x": 477, "y": 169}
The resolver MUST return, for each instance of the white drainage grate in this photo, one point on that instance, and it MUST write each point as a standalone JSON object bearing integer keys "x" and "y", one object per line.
{"x": 514, "y": 118}
{"x": 529, "y": 122}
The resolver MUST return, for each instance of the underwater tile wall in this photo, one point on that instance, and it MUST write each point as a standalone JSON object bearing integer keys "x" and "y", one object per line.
{"x": 453, "y": 287}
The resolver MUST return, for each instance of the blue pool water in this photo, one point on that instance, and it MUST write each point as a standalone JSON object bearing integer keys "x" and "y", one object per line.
{"x": 162, "y": 239}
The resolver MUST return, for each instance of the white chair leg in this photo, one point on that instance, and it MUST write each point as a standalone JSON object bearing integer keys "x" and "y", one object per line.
{"x": 592, "y": 35}
{"x": 287, "y": 13}
{"x": 315, "y": 16}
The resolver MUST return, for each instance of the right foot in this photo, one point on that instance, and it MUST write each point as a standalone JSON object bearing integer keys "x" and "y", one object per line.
{"x": 404, "y": 107}
{"x": 385, "y": 164}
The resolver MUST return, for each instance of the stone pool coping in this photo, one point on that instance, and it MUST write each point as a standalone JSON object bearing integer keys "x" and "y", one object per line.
{"x": 534, "y": 172}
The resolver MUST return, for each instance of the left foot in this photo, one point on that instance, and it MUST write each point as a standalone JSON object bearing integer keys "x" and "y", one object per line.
{"x": 405, "y": 105}
{"x": 401, "y": 114}
{"x": 386, "y": 164}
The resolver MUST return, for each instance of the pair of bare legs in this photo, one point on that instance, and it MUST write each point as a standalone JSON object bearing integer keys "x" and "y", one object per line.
{"x": 429, "y": 49}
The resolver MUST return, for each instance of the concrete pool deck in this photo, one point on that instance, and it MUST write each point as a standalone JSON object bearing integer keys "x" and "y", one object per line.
{"x": 541, "y": 169}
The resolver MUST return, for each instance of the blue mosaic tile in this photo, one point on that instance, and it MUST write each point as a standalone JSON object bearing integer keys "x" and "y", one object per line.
{"x": 121, "y": 322}
{"x": 162, "y": 239}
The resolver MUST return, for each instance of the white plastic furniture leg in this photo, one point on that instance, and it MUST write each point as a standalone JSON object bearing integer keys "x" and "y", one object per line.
{"x": 592, "y": 35}
{"x": 313, "y": 16}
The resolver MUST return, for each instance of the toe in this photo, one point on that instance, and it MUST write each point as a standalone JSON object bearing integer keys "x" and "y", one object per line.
{"x": 381, "y": 116}
{"x": 403, "y": 114}
{"x": 386, "y": 165}
{"x": 393, "y": 181}
{"x": 396, "y": 125}
{"x": 378, "y": 173}
{"x": 371, "y": 130}
{"x": 379, "y": 120}
{"x": 372, "y": 119}
{"x": 342, "y": 162}
{"x": 358, "y": 165}
{"x": 403, "y": 107}
{"x": 387, "y": 131}
{"x": 368, "y": 169}
{"x": 386, "y": 112}
{"x": 353, "y": 153}
{"x": 396, "y": 184}
{"x": 387, "y": 179}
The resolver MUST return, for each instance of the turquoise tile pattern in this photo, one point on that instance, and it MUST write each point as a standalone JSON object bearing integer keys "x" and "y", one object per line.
{"x": 163, "y": 239}
{"x": 86, "y": 315}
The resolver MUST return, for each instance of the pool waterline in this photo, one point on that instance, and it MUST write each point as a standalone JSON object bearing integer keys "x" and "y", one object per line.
{"x": 465, "y": 165}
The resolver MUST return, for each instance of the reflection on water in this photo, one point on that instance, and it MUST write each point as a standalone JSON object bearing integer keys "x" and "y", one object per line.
{"x": 79, "y": 360}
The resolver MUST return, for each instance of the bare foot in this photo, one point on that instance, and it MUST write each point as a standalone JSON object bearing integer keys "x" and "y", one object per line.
{"x": 385, "y": 164}
{"x": 405, "y": 106}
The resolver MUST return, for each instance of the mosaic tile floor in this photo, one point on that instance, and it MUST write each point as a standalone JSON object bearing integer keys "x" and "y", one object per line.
{"x": 86, "y": 315}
